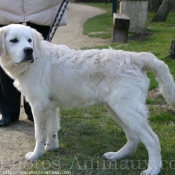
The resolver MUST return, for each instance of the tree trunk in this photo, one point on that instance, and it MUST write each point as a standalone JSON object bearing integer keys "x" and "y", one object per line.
{"x": 163, "y": 11}
{"x": 171, "y": 53}
{"x": 153, "y": 5}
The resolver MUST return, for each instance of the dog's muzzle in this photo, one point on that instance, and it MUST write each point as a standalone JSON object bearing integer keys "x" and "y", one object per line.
{"x": 28, "y": 55}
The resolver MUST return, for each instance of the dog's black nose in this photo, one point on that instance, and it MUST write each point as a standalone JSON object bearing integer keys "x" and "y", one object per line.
{"x": 28, "y": 50}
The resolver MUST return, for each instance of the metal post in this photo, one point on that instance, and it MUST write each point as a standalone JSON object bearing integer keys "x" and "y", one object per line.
{"x": 114, "y": 6}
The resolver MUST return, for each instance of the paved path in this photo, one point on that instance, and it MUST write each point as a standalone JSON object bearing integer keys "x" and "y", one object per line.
{"x": 72, "y": 34}
{"x": 18, "y": 139}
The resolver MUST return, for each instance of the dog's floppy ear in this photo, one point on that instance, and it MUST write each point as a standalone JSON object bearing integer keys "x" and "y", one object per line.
{"x": 37, "y": 38}
{"x": 2, "y": 43}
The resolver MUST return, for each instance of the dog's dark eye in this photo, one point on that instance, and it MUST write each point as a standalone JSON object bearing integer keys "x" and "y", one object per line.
{"x": 29, "y": 40}
{"x": 15, "y": 40}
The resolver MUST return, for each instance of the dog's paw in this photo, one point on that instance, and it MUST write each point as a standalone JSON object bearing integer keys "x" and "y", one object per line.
{"x": 31, "y": 156}
{"x": 111, "y": 156}
{"x": 151, "y": 171}
{"x": 51, "y": 147}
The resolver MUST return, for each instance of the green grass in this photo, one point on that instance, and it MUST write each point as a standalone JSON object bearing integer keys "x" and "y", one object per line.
{"x": 86, "y": 134}
{"x": 99, "y": 26}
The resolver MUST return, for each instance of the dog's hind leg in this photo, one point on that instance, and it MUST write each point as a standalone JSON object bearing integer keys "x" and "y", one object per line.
{"x": 52, "y": 132}
{"x": 40, "y": 119}
{"x": 133, "y": 117}
{"x": 132, "y": 139}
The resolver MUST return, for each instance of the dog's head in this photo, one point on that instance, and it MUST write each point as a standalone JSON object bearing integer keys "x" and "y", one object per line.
{"x": 20, "y": 43}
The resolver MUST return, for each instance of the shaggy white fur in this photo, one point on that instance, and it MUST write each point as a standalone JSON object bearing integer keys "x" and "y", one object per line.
{"x": 52, "y": 76}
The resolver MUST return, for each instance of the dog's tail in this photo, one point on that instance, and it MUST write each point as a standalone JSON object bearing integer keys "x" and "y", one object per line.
{"x": 148, "y": 61}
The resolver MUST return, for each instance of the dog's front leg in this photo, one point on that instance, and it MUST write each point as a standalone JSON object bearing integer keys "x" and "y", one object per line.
{"x": 52, "y": 130}
{"x": 40, "y": 120}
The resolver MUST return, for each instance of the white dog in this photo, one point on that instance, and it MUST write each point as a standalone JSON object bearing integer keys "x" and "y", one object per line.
{"x": 52, "y": 76}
